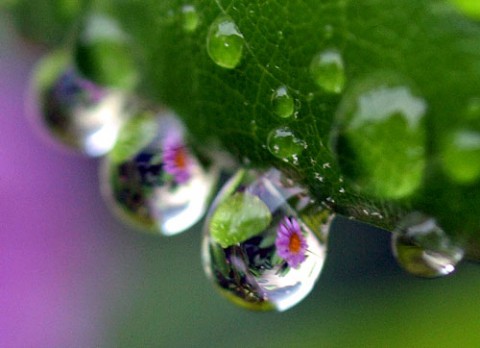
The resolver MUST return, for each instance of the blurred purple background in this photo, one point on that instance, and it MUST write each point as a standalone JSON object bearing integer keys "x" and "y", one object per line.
{"x": 51, "y": 256}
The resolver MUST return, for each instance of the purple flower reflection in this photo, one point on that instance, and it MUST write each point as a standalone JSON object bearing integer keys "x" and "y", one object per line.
{"x": 176, "y": 159}
{"x": 291, "y": 244}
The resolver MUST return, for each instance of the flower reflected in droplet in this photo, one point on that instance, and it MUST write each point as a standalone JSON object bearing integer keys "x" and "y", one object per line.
{"x": 176, "y": 159}
{"x": 291, "y": 244}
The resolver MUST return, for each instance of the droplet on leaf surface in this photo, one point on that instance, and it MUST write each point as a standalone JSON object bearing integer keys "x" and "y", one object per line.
{"x": 328, "y": 71}
{"x": 152, "y": 180}
{"x": 460, "y": 153}
{"x": 379, "y": 137}
{"x": 282, "y": 102}
{"x": 190, "y": 18}
{"x": 73, "y": 110}
{"x": 284, "y": 144}
{"x": 225, "y": 43}
{"x": 264, "y": 241}
{"x": 423, "y": 249}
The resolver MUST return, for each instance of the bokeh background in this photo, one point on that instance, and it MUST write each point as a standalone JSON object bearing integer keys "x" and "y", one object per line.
{"x": 72, "y": 276}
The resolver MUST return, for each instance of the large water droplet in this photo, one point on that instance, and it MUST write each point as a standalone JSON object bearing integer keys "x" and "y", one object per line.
{"x": 104, "y": 53}
{"x": 73, "y": 110}
{"x": 190, "y": 18}
{"x": 264, "y": 242}
{"x": 225, "y": 43}
{"x": 152, "y": 180}
{"x": 283, "y": 144}
{"x": 328, "y": 71}
{"x": 460, "y": 154}
{"x": 423, "y": 249}
{"x": 283, "y": 104}
{"x": 380, "y": 138}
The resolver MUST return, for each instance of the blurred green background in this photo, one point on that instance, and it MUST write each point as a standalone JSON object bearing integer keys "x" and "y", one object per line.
{"x": 72, "y": 276}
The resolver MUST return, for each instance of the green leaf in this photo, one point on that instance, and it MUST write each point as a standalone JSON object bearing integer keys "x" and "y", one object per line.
{"x": 321, "y": 52}
{"x": 238, "y": 218}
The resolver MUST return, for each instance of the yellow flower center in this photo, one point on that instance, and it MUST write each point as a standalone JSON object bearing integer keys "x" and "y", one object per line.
{"x": 295, "y": 243}
{"x": 180, "y": 158}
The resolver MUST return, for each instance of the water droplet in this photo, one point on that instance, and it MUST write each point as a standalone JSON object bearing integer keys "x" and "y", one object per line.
{"x": 225, "y": 43}
{"x": 329, "y": 31}
{"x": 283, "y": 144}
{"x": 73, "y": 110}
{"x": 190, "y": 18}
{"x": 422, "y": 248}
{"x": 460, "y": 153}
{"x": 468, "y": 8}
{"x": 264, "y": 242}
{"x": 283, "y": 104}
{"x": 380, "y": 138}
{"x": 104, "y": 53}
{"x": 461, "y": 156}
{"x": 328, "y": 71}
{"x": 152, "y": 180}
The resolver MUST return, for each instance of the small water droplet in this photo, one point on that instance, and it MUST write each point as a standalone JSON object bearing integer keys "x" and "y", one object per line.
{"x": 283, "y": 144}
{"x": 328, "y": 29}
{"x": 328, "y": 71}
{"x": 225, "y": 43}
{"x": 152, "y": 180}
{"x": 461, "y": 155}
{"x": 423, "y": 249}
{"x": 261, "y": 249}
{"x": 283, "y": 104}
{"x": 460, "y": 152}
{"x": 74, "y": 111}
{"x": 190, "y": 18}
{"x": 379, "y": 137}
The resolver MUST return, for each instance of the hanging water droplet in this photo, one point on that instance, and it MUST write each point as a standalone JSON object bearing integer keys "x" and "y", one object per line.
{"x": 460, "y": 153}
{"x": 264, "y": 242}
{"x": 328, "y": 71}
{"x": 225, "y": 43}
{"x": 423, "y": 249}
{"x": 283, "y": 144}
{"x": 104, "y": 53}
{"x": 75, "y": 111}
{"x": 152, "y": 180}
{"x": 283, "y": 104}
{"x": 190, "y": 18}
{"x": 379, "y": 137}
